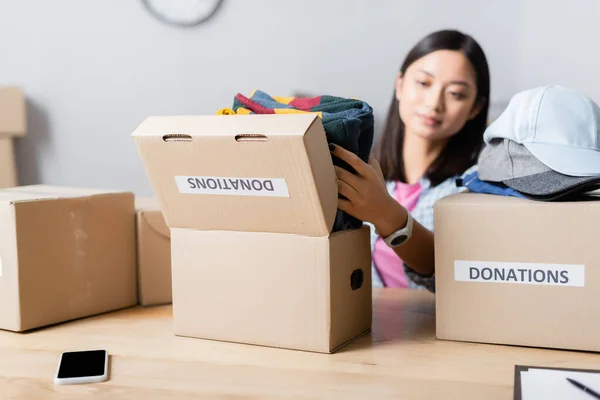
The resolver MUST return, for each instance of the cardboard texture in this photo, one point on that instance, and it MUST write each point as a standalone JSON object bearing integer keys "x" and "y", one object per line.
{"x": 225, "y": 147}
{"x": 518, "y": 272}
{"x": 280, "y": 290}
{"x": 65, "y": 253}
{"x": 153, "y": 254}
{"x": 8, "y": 170}
{"x": 251, "y": 201}
{"x": 12, "y": 124}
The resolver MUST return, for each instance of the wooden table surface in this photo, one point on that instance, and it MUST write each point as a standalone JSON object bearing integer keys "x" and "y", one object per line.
{"x": 399, "y": 359}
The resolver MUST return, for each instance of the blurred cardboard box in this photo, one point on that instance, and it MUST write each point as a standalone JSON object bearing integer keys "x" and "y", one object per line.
{"x": 153, "y": 254}
{"x": 8, "y": 169}
{"x": 251, "y": 201}
{"x": 65, "y": 253}
{"x": 12, "y": 125}
{"x": 518, "y": 272}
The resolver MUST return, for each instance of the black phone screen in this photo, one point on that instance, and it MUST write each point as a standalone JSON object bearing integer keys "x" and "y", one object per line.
{"x": 77, "y": 364}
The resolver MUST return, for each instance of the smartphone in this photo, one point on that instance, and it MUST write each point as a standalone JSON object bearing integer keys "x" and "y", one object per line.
{"x": 86, "y": 366}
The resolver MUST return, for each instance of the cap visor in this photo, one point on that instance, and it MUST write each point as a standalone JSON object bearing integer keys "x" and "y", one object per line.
{"x": 552, "y": 183}
{"x": 567, "y": 160}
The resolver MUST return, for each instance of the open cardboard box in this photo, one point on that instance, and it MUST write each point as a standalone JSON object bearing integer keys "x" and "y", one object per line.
{"x": 12, "y": 124}
{"x": 251, "y": 201}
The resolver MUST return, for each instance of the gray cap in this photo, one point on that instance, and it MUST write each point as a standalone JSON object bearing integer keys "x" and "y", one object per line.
{"x": 511, "y": 163}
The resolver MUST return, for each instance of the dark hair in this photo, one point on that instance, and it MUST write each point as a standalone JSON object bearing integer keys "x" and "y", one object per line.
{"x": 463, "y": 148}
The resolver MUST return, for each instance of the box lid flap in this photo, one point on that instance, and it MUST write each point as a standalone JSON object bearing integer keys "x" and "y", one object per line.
{"x": 254, "y": 173}
{"x": 472, "y": 199}
{"x": 44, "y": 192}
{"x": 149, "y": 210}
{"x": 156, "y": 222}
{"x": 17, "y": 197}
{"x": 12, "y": 112}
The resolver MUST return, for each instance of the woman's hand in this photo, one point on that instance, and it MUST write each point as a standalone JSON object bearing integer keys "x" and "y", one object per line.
{"x": 368, "y": 198}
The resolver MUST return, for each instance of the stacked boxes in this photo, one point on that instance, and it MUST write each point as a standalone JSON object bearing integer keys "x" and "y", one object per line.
{"x": 250, "y": 201}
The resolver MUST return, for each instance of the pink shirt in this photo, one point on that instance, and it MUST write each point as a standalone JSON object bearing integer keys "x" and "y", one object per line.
{"x": 388, "y": 264}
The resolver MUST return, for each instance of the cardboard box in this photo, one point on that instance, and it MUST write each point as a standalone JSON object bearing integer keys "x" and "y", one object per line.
{"x": 518, "y": 272}
{"x": 8, "y": 169}
{"x": 64, "y": 254}
{"x": 251, "y": 201}
{"x": 153, "y": 254}
{"x": 12, "y": 112}
{"x": 12, "y": 124}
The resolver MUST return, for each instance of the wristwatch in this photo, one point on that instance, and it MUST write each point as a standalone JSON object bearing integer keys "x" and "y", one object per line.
{"x": 401, "y": 236}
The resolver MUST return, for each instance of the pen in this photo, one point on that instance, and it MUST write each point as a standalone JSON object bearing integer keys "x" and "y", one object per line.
{"x": 584, "y": 388}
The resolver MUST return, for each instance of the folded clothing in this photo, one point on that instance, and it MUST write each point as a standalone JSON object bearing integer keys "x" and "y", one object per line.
{"x": 347, "y": 122}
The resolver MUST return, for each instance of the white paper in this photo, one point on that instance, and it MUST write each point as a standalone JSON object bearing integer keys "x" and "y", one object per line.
{"x": 233, "y": 186}
{"x": 0, "y": 266}
{"x": 519, "y": 273}
{"x": 552, "y": 384}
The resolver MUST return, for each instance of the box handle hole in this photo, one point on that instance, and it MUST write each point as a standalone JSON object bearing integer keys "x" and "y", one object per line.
{"x": 177, "y": 137}
{"x": 356, "y": 279}
{"x": 250, "y": 137}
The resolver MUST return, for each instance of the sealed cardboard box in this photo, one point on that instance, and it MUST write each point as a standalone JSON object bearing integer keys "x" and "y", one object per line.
{"x": 153, "y": 254}
{"x": 518, "y": 272}
{"x": 251, "y": 202}
{"x": 65, "y": 253}
{"x": 12, "y": 124}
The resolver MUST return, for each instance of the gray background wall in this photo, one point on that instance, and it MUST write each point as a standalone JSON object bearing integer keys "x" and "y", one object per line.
{"x": 93, "y": 70}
